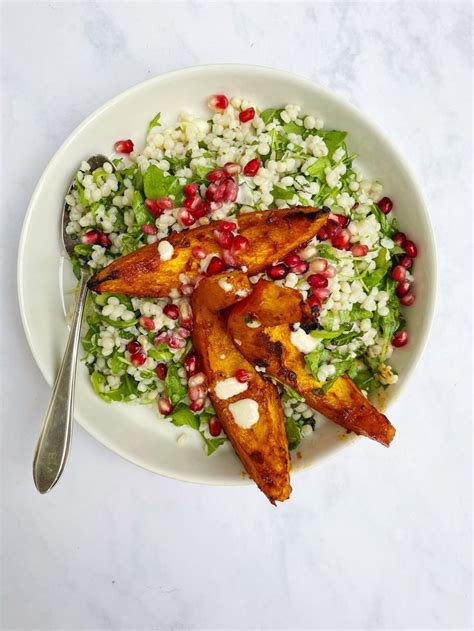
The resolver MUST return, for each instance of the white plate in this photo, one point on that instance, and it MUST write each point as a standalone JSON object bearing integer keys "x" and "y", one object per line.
{"x": 134, "y": 432}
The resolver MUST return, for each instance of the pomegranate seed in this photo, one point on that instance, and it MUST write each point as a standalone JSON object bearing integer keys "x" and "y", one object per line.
{"x": 153, "y": 207}
{"x": 216, "y": 266}
{"x": 300, "y": 268}
{"x": 247, "y": 115}
{"x": 147, "y": 228}
{"x": 317, "y": 280}
{"x": 164, "y": 405}
{"x": 190, "y": 190}
{"x": 103, "y": 240}
{"x": 406, "y": 262}
{"x": 400, "y": 339}
{"x": 197, "y": 380}
{"x": 341, "y": 240}
{"x": 215, "y": 426}
{"x": 342, "y": 220}
{"x": 199, "y": 252}
{"x": 243, "y": 375}
{"x": 138, "y": 358}
{"x": 161, "y": 370}
{"x": 165, "y": 203}
{"x": 224, "y": 238}
{"x": 216, "y": 176}
{"x": 218, "y": 102}
{"x": 323, "y": 234}
{"x": 319, "y": 265}
{"x": 201, "y": 209}
{"x": 123, "y": 146}
{"x": 399, "y": 239}
{"x": 398, "y": 273}
{"x": 278, "y": 271}
{"x": 232, "y": 168}
{"x": 385, "y": 205}
{"x": 329, "y": 272}
{"x": 185, "y": 218}
{"x": 162, "y": 338}
{"x": 176, "y": 342}
{"x": 228, "y": 225}
{"x": 187, "y": 290}
{"x": 359, "y": 249}
{"x": 215, "y": 192}
{"x": 334, "y": 228}
{"x": 402, "y": 288}
{"x": 197, "y": 406}
{"x": 183, "y": 332}
{"x": 215, "y": 206}
{"x": 133, "y": 347}
{"x": 185, "y": 315}
{"x": 191, "y": 203}
{"x": 240, "y": 243}
{"x": 321, "y": 293}
{"x": 147, "y": 323}
{"x": 313, "y": 301}
{"x": 192, "y": 364}
{"x": 252, "y": 167}
{"x": 231, "y": 191}
{"x": 229, "y": 258}
{"x": 408, "y": 299}
{"x": 171, "y": 311}
{"x": 291, "y": 259}
{"x": 410, "y": 249}
{"x": 91, "y": 236}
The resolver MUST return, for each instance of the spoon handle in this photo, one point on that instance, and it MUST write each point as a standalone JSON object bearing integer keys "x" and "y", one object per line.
{"x": 52, "y": 449}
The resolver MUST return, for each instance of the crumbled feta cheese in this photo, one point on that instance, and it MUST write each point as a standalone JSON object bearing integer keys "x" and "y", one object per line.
{"x": 303, "y": 342}
{"x": 229, "y": 388}
{"x": 165, "y": 250}
{"x": 245, "y": 412}
{"x": 226, "y": 286}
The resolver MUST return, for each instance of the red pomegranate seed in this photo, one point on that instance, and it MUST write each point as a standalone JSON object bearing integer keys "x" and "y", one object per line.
{"x": 215, "y": 192}
{"x": 104, "y": 240}
{"x": 176, "y": 342}
{"x": 232, "y": 168}
{"x": 406, "y": 262}
{"x": 329, "y": 272}
{"x": 313, "y": 301}
{"x": 187, "y": 290}
{"x": 138, "y": 358}
{"x": 147, "y": 228}
{"x": 317, "y": 280}
{"x": 252, "y": 167}
{"x": 342, "y": 220}
{"x": 183, "y": 332}
{"x": 229, "y": 258}
{"x": 185, "y": 315}
{"x": 197, "y": 406}
{"x": 215, "y": 426}
{"x": 341, "y": 240}
{"x": 300, "y": 268}
{"x": 243, "y": 375}
{"x": 240, "y": 243}
{"x": 199, "y": 252}
{"x": 399, "y": 239}
{"x": 319, "y": 265}
{"x": 334, "y": 228}
{"x": 194, "y": 393}
{"x": 216, "y": 175}
{"x": 123, "y": 146}
{"x": 278, "y": 271}
{"x": 190, "y": 190}
{"x": 192, "y": 364}
{"x": 164, "y": 405}
{"x": 191, "y": 203}
{"x": 201, "y": 209}
{"x": 215, "y": 206}
{"x": 231, "y": 191}
{"x": 402, "y": 288}
{"x": 224, "y": 238}
{"x": 359, "y": 249}
{"x": 153, "y": 207}
{"x": 218, "y": 102}
{"x": 228, "y": 225}
{"x": 400, "y": 339}
{"x": 197, "y": 380}
{"x": 216, "y": 266}
{"x": 247, "y": 115}
{"x": 323, "y": 234}
{"x": 161, "y": 370}
{"x": 291, "y": 259}
{"x": 172, "y": 311}
{"x": 147, "y": 323}
{"x": 185, "y": 218}
{"x": 321, "y": 293}
{"x": 162, "y": 338}
{"x": 409, "y": 247}
{"x": 408, "y": 299}
{"x": 385, "y": 205}
{"x": 90, "y": 237}
{"x": 398, "y": 273}
{"x": 133, "y": 346}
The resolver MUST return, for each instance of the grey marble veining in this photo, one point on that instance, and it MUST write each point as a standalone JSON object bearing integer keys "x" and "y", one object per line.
{"x": 376, "y": 539}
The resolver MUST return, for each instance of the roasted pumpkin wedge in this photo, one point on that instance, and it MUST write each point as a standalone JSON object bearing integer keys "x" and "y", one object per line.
{"x": 250, "y": 412}
{"x": 270, "y": 310}
{"x": 271, "y": 235}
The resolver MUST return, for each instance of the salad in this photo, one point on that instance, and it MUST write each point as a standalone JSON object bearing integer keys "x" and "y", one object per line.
{"x": 357, "y": 271}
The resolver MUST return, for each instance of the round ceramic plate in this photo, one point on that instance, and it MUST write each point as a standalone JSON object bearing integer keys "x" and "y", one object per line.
{"x": 45, "y": 279}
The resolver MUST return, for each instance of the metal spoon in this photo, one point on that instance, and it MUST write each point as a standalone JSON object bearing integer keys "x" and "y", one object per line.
{"x": 53, "y": 445}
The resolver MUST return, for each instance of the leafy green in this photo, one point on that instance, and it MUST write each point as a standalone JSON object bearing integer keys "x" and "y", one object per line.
{"x": 212, "y": 444}
{"x": 270, "y": 115}
{"x": 182, "y": 415}
{"x": 382, "y": 266}
{"x": 80, "y": 189}
{"x": 292, "y": 393}
{"x": 161, "y": 353}
{"x": 333, "y": 139}
{"x": 175, "y": 390}
{"x": 315, "y": 359}
{"x": 202, "y": 171}
{"x": 131, "y": 241}
{"x": 119, "y": 324}
{"x": 283, "y": 193}
{"x": 83, "y": 249}
{"x": 364, "y": 378}
{"x": 155, "y": 122}
{"x": 317, "y": 169}
{"x": 326, "y": 251}
{"x": 117, "y": 363}
{"x": 387, "y": 227}
{"x": 141, "y": 212}
{"x": 98, "y": 381}
{"x": 157, "y": 184}
{"x": 321, "y": 334}
{"x": 293, "y": 128}
{"x": 293, "y": 433}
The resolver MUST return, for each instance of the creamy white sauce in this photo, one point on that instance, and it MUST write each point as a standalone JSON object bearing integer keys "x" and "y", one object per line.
{"x": 229, "y": 388}
{"x": 245, "y": 412}
{"x": 223, "y": 284}
{"x": 165, "y": 250}
{"x": 303, "y": 342}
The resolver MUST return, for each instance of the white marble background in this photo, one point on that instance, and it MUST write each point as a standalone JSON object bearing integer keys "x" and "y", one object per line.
{"x": 374, "y": 540}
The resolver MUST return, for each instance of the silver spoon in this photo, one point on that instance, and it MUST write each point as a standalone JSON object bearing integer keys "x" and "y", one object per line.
{"x": 53, "y": 445}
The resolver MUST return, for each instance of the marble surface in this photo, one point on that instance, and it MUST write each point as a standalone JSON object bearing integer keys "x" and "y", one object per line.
{"x": 375, "y": 539}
